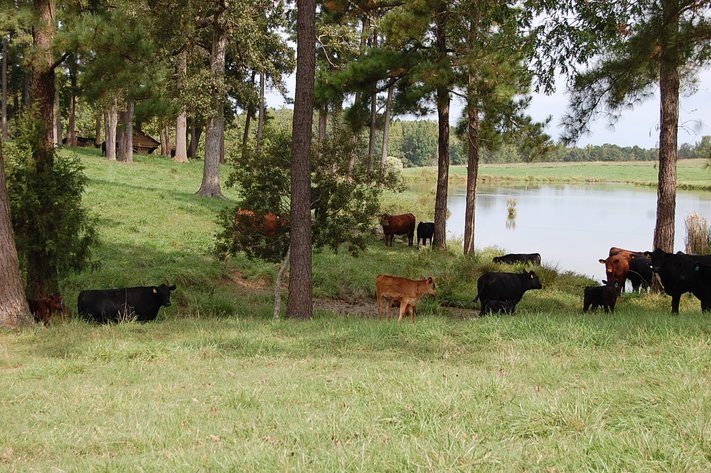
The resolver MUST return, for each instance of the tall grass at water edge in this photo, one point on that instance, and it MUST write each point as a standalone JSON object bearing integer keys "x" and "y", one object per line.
{"x": 216, "y": 385}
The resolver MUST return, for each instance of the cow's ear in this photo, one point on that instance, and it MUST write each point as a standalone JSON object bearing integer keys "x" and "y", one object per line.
{"x": 602, "y": 261}
{"x": 172, "y": 288}
{"x": 155, "y": 291}
{"x": 429, "y": 279}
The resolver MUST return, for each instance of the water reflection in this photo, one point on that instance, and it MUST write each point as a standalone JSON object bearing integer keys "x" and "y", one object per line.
{"x": 571, "y": 226}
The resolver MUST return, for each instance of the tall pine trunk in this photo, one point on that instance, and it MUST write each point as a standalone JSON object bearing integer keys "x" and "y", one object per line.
{"x": 669, "y": 119}
{"x": 443, "y": 100}
{"x": 181, "y": 128}
{"x": 3, "y": 111}
{"x": 57, "y": 129}
{"x": 249, "y": 113}
{"x": 164, "y": 141}
{"x": 386, "y": 127}
{"x": 472, "y": 164}
{"x": 72, "y": 121}
{"x": 262, "y": 113}
{"x": 13, "y": 305}
{"x": 97, "y": 130}
{"x": 372, "y": 134}
{"x": 111, "y": 126}
{"x": 126, "y": 137}
{"x": 210, "y": 186}
{"x": 42, "y": 271}
{"x": 300, "y": 300}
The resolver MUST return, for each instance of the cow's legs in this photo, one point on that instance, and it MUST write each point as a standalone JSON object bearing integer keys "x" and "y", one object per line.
{"x": 403, "y": 310}
{"x": 675, "y": 303}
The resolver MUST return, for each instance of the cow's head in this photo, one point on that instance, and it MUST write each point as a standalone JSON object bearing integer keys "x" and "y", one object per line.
{"x": 385, "y": 220}
{"x": 532, "y": 280}
{"x": 431, "y": 289}
{"x": 658, "y": 258}
{"x": 163, "y": 293}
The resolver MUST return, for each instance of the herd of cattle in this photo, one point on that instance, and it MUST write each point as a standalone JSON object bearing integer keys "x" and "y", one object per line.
{"x": 497, "y": 292}
{"x": 500, "y": 292}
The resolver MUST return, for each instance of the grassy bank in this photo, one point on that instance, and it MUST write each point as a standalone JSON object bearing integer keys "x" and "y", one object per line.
{"x": 216, "y": 385}
{"x": 692, "y": 173}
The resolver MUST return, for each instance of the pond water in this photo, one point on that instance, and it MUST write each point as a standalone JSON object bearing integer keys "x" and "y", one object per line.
{"x": 571, "y": 226}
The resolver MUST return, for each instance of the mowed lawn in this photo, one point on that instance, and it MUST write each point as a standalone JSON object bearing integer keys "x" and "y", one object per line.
{"x": 216, "y": 385}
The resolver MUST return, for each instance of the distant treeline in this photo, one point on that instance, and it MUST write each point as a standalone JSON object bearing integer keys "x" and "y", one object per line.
{"x": 415, "y": 143}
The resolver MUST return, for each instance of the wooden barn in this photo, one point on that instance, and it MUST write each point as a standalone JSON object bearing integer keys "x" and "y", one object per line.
{"x": 142, "y": 143}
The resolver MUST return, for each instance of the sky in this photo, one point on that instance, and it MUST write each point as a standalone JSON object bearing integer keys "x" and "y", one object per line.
{"x": 636, "y": 127}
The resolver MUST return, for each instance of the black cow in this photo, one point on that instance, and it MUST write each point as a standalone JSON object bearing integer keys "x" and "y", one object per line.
{"x": 425, "y": 230}
{"x": 509, "y": 287}
{"x": 604, "y": 296}
{"x": 513, "y": 258}
{"x": 113, "y": 305}
{"x": 681, "y": 273}
{"x": 640, "y": 272}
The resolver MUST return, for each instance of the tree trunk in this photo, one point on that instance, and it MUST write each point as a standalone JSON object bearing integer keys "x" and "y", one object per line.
{"x": 42, "y": 271}
{"x": 300, "y": 301}
{"x": 262, "y": 113}
{"x": 57, "y": 113}
{"x": 195, "y": 133}
{"x": 373, "y": 130}
{"x": 97, "y": 130}
{"x": 472, "y": 166}
{"x": 443, "y": 99}
{"x": 71, "y": 122}
{"x": 669, "y": 119}
{"x": 126, "y": 136}
{"x": 13, "y": 305}
{"x": 278, "y": 284}
{"x": 181, "y": 138}
{"x": 164, "y": 141}
{"x": 111, "y": 126}
{"x": 210, "y": 186}
{"x": 322, "y": 123}
{"x": 249, "y": 113}
{"x": 3, "y": 125}
{"x": 386, "y": 127}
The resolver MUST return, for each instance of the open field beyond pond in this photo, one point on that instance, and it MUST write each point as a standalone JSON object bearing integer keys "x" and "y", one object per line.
{"x": 216, "y": 385}
{"x": 691, "y": 173}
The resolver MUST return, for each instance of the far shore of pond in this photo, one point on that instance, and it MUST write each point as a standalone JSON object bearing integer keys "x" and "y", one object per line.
{"x": 692, "y": 174}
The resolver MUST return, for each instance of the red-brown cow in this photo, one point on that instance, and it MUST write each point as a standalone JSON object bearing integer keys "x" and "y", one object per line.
{"x": 270, "y": 224}
{"x": 43, "y": 308}
{"x": 617, "y": 265}
{"x": 403, "y": 224}
{"x": 407, "y": 291}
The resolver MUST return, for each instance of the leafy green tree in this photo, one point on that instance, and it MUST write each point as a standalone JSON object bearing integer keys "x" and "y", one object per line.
{"x": 618, "y": 53}
{"x": 491, "y": 42}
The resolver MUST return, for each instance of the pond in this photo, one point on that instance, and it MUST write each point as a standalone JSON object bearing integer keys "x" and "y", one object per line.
{"x": 571, "y": 226}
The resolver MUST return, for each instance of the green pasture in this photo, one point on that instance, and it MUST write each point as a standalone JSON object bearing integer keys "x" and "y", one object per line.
{"x": 691, "y": 173}
{"x": 215, "y": 384}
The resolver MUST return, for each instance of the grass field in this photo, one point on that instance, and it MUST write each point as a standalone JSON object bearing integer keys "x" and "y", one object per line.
{"x": 691, "y": 173}
{"x": 216, "y": 385}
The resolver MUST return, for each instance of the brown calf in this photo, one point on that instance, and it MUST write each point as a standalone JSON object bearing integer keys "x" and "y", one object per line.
{"x": 406, "y": 291}
{"x": 42, "y": 309}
